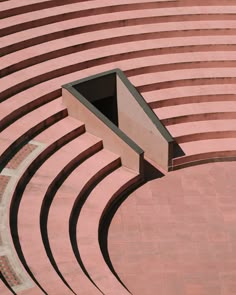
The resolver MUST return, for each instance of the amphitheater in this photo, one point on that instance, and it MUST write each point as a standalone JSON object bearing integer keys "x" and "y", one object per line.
{"x": 118, "y": 147}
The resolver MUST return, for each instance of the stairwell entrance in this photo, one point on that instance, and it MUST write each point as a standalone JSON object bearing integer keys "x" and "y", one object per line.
{"x": 110, "y": 98}
{"x": 101, "y": 92}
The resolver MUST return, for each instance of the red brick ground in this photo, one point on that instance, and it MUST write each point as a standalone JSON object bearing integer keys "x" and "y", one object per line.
{"x": 20, "y": 156}
{"x": 3, "y": 183}
{"x": 7, "y": 272}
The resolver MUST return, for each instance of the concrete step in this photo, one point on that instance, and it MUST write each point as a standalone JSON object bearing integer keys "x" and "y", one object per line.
{"x": 196, "y": 112}
{"x": 108, "y": 36}
{"x": 29, "y": 126}
{"x": 69, "y": 193}
{"x": 70, "y": 11}
{"x": 194, "y": 131}
{"x": 205, "y": 151}
{"x": 29, "y": 213}
{"x": 46, "y": 142}
{"x": 190, "y": 94}
{"x": 88, "y": 229}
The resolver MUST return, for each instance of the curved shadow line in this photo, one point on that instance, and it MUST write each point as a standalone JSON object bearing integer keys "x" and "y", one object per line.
{"x": 150, "y": 173}
{"x": 104, "y": 225}
{"x": 5, "y": 282}
{"x": 75, "y": 212}
{"x": 18, "y": 194}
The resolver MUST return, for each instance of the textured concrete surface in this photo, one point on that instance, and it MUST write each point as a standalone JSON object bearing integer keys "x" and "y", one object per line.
{"x": 176, "y": 235}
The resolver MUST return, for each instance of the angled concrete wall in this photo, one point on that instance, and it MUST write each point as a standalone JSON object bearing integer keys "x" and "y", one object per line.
{"x": 97, "y": 124}
{"x": 141, "y": 126}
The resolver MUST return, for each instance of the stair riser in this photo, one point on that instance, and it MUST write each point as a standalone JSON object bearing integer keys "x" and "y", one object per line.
{"x": 199, "y": 117}
{"x": 50, "y": 4}
{"x": 204, "y": 157}
{"x": 187, "y": 82}
{"x": 29, "y": 107}
{"x": 36, "y": 6}
{"x": 206, "y": 135}
{"x": 26, "y": 137}
{"x": 204, "y": 161}
{"x": 191, "y": 99}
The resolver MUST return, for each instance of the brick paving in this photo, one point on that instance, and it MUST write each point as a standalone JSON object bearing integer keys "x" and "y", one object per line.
{"x": 3, "y": 183}
{"x": 20, "y": 156}
{"x": 8, "y": 272}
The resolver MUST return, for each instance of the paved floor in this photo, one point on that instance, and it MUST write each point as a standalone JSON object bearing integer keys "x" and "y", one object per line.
{"x": 176, "y": 235}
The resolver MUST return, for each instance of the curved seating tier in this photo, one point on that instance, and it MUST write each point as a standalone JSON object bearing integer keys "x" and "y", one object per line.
{"x": 181, "y": 57}
{"x": 88, "y": 229}
{"x": 28, "y": 215}
{"x": 73, "y": 187}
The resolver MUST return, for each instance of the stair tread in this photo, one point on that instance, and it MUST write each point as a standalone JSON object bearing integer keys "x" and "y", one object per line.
{"x": 52, "y": 133}
{"x": 63, "y": 202}
{"x": 201, "y": 127}
{"x": 195, "y": 108}
{"x": 185, "y": 74}
{"x": 67, "y": 8}
{"x": 87, "y": 230}
{"x": 189, "y": 91}
{"x": 29, "y": 212}
{"x": 7, "y": 40}
{"x": 15, "y": 3}
{"x": 21, "y": 126}
{"x": 208, "y": 146}
{"x": 30, "y": 52}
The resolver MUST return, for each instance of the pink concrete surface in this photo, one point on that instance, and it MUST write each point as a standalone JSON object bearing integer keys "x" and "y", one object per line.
{"x": 203, "y": 129}
{"x": 29, "y": 212}
{"x": 4, "y": 290}
{"x": 176, "y": 235}
{"x": 181, "y": 57}
{"x": 21, "y": 127}
{"x": 88, "y": 228}
{"x": 59, "y": 216}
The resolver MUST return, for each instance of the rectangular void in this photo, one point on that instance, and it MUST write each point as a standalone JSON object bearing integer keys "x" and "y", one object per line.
{"x": 101, "y": 92}
{"x": 120, "y": 106}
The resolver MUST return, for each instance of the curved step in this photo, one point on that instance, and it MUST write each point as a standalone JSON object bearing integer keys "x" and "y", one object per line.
{"x": 186, "y": 77}
{"x": 26, "y": 101}
{"x": 190, "y": 94}
{"x": 70, "y": 11}
{"x": 196, "y": 112}
{"x": 17, "y": 103}
{"x": 88, "y": 229}
{"x": 194, "y": 131}
{"x": 29, "y": 213}
{"x": 46, "y": 142}
{"x": 42, "y": 34}
{"x": 150, "y": 9}
{"x": 52, "y": 49}
{"x": 51, "y": 69}
{"x": 15, "y": 7}
{"x": 28, "y": 126}
{"x": 76, "y": 183}
{"x": 205, "y": 151}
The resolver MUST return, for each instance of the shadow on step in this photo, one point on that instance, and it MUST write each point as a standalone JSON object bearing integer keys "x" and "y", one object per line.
{"x": 81, "y": 199}
{"x": 150, "y": 173}
{"x": 6, "y": 283}
{"x": 178, "y": 152}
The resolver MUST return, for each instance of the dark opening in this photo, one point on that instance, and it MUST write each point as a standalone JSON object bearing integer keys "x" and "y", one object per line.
{"x": 101, "y": 92}
{"x": 108, "y": 107}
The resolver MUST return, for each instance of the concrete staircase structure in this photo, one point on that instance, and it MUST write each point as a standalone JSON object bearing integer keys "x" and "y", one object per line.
{"x": 57, "y": 179}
